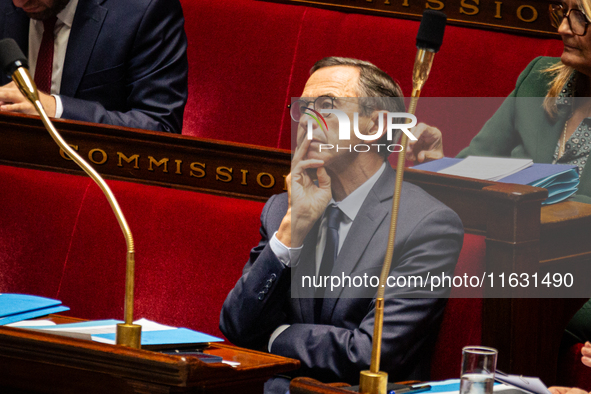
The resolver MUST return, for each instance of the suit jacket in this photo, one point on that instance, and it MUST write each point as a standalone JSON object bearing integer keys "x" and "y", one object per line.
{"x": 522, "y": 129}
{"x": 126, "y": 62}
{"x": 429, "y": 238}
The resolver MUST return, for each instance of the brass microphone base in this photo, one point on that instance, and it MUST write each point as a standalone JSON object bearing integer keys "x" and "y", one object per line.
{"x": 129, "y": 335}
{"x": 373, "y": 382}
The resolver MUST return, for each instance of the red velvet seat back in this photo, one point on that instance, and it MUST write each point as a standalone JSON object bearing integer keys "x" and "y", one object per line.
{"x": 462, "y": 321}
{"x": 36, "y": 227}
{"x": 248, "y": 58}
{"x": 191, "y": 248}
{"x": 59, "y": 239}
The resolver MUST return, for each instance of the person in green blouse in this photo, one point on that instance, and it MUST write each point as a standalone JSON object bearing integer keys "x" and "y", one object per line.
{"x": 547, "y": 118}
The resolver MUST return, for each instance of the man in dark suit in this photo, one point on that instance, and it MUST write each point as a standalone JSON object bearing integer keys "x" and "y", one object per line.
{"x": 271, "y": 307}
{"x": 115, "y": 62}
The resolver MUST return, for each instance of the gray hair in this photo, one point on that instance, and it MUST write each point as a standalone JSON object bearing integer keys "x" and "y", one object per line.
{"x": 376, "y": 89}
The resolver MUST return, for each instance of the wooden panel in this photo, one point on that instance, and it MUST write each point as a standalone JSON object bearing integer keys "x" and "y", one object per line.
{"x": 148, "y": 157}
{"x": 311, "y": 386}
{"x": 527, "y": 17}
{"x": 45, "y": 363}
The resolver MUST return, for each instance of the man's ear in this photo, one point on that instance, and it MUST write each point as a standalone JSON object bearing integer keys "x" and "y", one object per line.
{"x": 374, "y": 123}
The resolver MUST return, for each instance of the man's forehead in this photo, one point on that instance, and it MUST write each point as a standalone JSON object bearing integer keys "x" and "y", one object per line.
{"x": 335, "y": 81}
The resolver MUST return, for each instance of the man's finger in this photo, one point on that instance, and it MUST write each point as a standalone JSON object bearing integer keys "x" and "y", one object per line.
{"x": 23, "y": 108}
{"x": 410, "y": 155}
{"x": 323, "y": 178}
{"x": 11, "y": 108}
{"x": 307, "y": 164}
{"x": 432, "y": 155}
{"x": 11, "y": 96}
{"x": 301, "y": 150}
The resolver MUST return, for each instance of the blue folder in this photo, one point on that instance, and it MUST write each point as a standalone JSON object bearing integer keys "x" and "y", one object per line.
{"x": 561, "y": 180}
{"x": 178, "y": 336}
{"x": 17, "y": 307}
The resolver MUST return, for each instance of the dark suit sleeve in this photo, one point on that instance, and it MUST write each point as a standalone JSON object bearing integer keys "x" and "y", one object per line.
{"x": 155, "y": 77}
{"x": 331, "y": 352}
{"x": 256, "y": 305}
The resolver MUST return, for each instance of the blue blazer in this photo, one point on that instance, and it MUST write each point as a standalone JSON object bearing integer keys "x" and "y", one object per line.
{"x": 429, "y": 238}
{"x": 125, "y": 65}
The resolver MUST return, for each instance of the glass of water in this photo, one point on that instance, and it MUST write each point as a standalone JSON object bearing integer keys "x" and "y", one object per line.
{"x": 478, "y": 370}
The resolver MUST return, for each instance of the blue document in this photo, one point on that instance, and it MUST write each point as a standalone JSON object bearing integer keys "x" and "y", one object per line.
{"x": 11, "y": 304}
{"x": 178, "y": 336}
{"x": 17, "y": 307}
{"x": 561, "y": 180}
{"x": 33, "y": 314}
{"x": 153, "y": 334}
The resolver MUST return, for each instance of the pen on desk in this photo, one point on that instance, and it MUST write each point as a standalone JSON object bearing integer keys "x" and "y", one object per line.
{"x": 411, "y": 390}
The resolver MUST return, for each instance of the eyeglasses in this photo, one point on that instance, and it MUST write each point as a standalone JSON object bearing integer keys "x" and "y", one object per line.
{"x": 577, "y": 20}
{"x": 299, "y": 107}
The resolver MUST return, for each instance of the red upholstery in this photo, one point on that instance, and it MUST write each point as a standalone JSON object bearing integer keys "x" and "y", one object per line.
{"x": 249, "y": 57}
{"x": 36, "y": 226}
{"x": 461, "y": 324}
{"x": 572, "y": 372}
{"x": 65, "y": 243}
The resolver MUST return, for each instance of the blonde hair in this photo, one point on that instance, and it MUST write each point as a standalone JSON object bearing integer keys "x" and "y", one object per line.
{"x": 561, "y": 73}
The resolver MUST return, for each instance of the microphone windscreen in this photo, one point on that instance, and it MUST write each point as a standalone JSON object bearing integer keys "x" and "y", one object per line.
{"x": 431, "y": 30}
{"x": 11, "y": 56}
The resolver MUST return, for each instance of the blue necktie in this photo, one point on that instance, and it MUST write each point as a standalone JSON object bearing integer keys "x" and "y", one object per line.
{"x": 334, "y": 218}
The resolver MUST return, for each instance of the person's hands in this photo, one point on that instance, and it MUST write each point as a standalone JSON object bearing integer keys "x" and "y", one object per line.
{"x": 307, "y": 200}
{"x": 566, "y": 390}
{"x": 586, "y": 351}
{"x": 427, "y": 147}
{"x": 12, "y": 100}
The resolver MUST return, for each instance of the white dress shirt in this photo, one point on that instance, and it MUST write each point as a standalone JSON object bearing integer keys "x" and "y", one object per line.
{"x": 63, "y": 26}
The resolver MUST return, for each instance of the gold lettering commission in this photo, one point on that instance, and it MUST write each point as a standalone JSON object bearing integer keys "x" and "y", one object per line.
{"x": 198, "y": 170}
{"x": 524, "y": 12}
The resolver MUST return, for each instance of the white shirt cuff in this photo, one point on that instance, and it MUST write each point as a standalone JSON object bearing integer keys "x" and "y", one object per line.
{"x": 59, "y": 108}
{"x": 288, "y": 256}
{"x": 276, "y": 333}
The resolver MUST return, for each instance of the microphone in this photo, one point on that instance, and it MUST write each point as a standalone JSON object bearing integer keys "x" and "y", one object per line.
{"x": 429, "y": 39}
{"x": 11, "y": 56}
{"x": 14, "y": 63}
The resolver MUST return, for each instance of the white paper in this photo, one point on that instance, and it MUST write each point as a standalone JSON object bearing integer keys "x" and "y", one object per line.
{"x": 101, "y": 327}
{"x": 525, "y": 383}
{"x": 487, "y": 168}
{"x": 31, "y": 323}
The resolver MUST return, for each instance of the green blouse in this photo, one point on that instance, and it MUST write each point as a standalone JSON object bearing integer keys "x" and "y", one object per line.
{"x": 522, "y": 129}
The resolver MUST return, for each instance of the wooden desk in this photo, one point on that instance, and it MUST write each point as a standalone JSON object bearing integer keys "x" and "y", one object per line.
{"x": 36, "y": 362}
{"x": 312, "y": 386}
{"x": 521, "y": 236}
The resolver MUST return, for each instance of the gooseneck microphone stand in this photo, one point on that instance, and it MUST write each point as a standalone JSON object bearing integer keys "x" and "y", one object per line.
{"x": 14, "y": 63}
